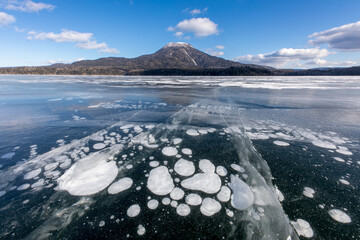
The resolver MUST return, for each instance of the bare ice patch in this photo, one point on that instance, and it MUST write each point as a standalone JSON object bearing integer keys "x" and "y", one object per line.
{"x": 121, "y": 185}
{"x": 160, "y": 181}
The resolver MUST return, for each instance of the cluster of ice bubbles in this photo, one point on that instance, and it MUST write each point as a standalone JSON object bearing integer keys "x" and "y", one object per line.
{"x": 88, "y": 166}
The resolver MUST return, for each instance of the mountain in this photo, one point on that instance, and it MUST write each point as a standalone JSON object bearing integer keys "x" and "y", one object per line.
{"x": 173, "y": 59}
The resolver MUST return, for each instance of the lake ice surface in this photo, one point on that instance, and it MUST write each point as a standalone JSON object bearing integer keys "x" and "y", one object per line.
{"x": 130, "y": 157}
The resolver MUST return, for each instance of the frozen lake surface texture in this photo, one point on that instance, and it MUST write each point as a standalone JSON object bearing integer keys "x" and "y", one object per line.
{"x": 103, "y": 157}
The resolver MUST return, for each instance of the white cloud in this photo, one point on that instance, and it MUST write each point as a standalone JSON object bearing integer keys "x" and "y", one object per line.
{"x": 109, "y": 50}
{"x": 196, "y": 11}
{"x": 19, "y": 29}
{"x": 28, "y": 6}
{"x": 62, "y": 61}
{"x": 6, "y": 19}
{"x": 220, "y": 47}
{"x": 215, "y": 53}
{"x": 284, "y": 56}
{"x": 345, "y": 37}
{"x": 91, "y": 45}
{"x": 325, "y": 63}
{"x": 64, "y": 36}
{"x": 178, "y": 34}
{"x": 201, "y": 27}
{"x": 83, "y": 40}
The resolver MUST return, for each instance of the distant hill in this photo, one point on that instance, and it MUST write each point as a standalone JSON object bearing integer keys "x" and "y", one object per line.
{"x": 173, "y": 59}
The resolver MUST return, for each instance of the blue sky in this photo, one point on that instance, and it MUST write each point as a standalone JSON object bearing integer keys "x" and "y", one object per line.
{"x": 285, "y": 34}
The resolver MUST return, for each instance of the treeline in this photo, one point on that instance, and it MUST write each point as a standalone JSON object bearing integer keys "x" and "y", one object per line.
{"x": 231, "y": 71}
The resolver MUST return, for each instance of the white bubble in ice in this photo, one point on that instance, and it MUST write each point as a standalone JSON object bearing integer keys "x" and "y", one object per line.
{"x": 169, "y": 151}
{"x": 224, "y": 194}
{"x": 209, "y": 207}
{"x": 133, "y": 210}
{"x": 242, "y": 196}
{"x": 8, "y": 155}
{"x": 206, "y": 166}
{"x": 345, "y": 182}
{"x": 238, "y": 168}
{"x": 206, "y": 182}
{"x": 221, "y": 171}
{"x": 281, "y": 143}
{"x": 102, "y": 223}
{"x": 339, "y": 159}
{"x": 193, "y": 199}
{"x": 177, "y": 193}
{"x": 153, "y": 204}
{"x": 154, "y": 164}
{"x": 120, "y": 185}
{"x": 51, "y": 166}
{"x": 23, "y": 187}
{"x": 339, "y": 216}
{"x": 192, "y": 132}
{"x": 184, "y": 167}
{"x": 303, "y": 228}
{"x": 186, "y": 151}
{"x": 32, "y": 174}
{"x": 99, "y": 146}
{"x": 166, "y": 201}
{"x": 177, "y": 141}
{"x": 141, "y": 230}
{"x": 160, "y": 181}
{"x": 183, "y": 209}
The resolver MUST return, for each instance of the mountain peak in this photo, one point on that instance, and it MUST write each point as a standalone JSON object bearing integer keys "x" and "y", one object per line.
{"x": 177, "y": 44}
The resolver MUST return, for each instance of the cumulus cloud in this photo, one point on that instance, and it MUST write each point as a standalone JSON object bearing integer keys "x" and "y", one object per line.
{"x": 6, "y": 19}
{"x": 27, "y": 6}
{"x": 220, "y": 47}
{"x": 215, "y": 51}
{"x": 200, "y": 27}
{"x": 345, "y": 37}
{"x": 283, "y": 56}
{"x": 83, "y": 40}
{"x": 325, "y": 63}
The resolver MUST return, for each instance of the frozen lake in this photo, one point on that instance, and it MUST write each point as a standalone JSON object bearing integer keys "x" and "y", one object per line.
{"x": 101, "y": 157}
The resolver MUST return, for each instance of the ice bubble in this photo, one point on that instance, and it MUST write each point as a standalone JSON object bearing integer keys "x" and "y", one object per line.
{"x": 154, "y": 164}
{"x": 177, "y": 193}
{"x": 309, "y": 192}
{"x": 242, "y": 196}
{"x": 193, "y": 199}
{"x": 174, "y": 203}
{"x": 39, "y": 183}
{"x": 177, "y": 141}
{"x": 150, "y": 126}
{"x": 202, "y": 131}
{"x": 186, "y": 151}
{"x": 224, "y": 194}
{"x": 141, "y": 230}
{"x": 127, "y": 126}
{"x": 255, "y": 216}
{"x": 51, "y": 166}
{"x": 32, "y": 174}
{"x": 343, "y": 181}
{"x": 138, "y": 129}
{"x": 23, "y": 187}
{"x": 130, "y": 166}
{"x": 229, "y": 213}
{"x": 237, "y": 167}
{"x": 133, "y": 210}
{"x": 160, "y": 181}
{"x": 192, "y": 132}
{"x": 344, "y": 152}
{"x": 323, "y": 144}
{"x": 281, "y": 143}
{"x": 184, "y": 167}
{"x": 166, "y": 201}
{"x": 206, "y": 166}
{"x": 221, "y": 171}
{"x": 26, "y": 201}
{"x": 205, "y": 182}
{"x": 209, "y": 207}
{"x": 303, "y": 228}
{"x": 101, "y": 223}
{"x": 120, "y": 185}
{"x": 89, "y": 175}
{"x": 153, "y": 204}
{"x": 99, "y": 146}
{"x": 339, "y": 216}
{"x": 183, "y": 209}
{"x": 339, "y": 159}
{"x": 8, "y": 155}
{"x": 2, "y": 193}
{"x": 169, "y": 151}
{"x": 65, "y": 164}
